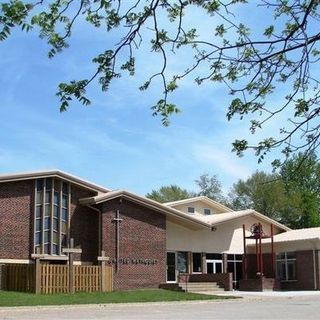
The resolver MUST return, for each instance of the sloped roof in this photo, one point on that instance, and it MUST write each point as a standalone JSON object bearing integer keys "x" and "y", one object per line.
{"x": 311, "y": 234}
{"x": 53, "y": 174}
{"x": 146, "y": 202}
{"x": 220, "y": 218}
{"x": 298, "y": 234}
{"x": 204, "y": 221}
{"x": 203, "y": 199}
{"x": 105, "y": 194}
{"x": 223, "y": 217}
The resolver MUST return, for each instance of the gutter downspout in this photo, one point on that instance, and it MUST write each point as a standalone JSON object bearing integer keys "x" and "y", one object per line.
{"x": 314, "y": 265}
{"x": 100, "y": 224}
{"x": 318, "y": 269}
{"x": 314, "y": 270}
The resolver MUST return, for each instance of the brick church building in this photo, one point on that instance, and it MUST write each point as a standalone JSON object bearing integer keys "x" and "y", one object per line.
{"x": 148, "y": 243}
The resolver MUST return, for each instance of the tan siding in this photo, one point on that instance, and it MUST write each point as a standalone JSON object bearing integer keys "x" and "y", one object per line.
{"x": 227, "y": 237}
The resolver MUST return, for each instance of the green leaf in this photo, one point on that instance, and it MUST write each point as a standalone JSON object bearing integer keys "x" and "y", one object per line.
{"x": 268, "y": 31}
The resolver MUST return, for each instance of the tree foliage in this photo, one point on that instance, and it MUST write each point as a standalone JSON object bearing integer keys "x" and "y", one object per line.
{"x": 291, "y": 197}
{"x": 262, "y": 192}
{"x": 252, "y": 63}
{"x": 207, "y": 185}
{"x": 210, "y": 186}
{"x": 301, "y": 180}
{"x": 169, "y": 193}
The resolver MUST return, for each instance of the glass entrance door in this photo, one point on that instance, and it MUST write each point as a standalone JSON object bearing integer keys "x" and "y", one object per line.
{"x": 214, "y": 266}
{"x": 171, "y": 267}
{"x": 235, "y": 266}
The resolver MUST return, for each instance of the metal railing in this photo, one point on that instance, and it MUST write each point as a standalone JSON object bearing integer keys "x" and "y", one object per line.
{"x": 183, "y": 278}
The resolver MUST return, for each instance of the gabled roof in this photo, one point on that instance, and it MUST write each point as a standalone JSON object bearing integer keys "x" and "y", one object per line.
{"x": 53, "y": 174}
{"x": 216, "y": 219}
{"x": 203, "y": 199}
{"x": 203, "y": 221}
{"x": 105, "y": 194}
{"x": 146, "y": 202}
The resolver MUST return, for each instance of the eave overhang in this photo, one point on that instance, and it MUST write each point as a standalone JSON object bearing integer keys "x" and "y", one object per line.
{"x": 168, "y": 211}
{"x": 54, "y": 174}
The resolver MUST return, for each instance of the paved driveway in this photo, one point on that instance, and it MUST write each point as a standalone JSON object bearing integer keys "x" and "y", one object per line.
{"x": 303, "y": 306}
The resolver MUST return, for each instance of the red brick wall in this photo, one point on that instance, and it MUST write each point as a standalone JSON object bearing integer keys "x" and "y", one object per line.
{"x": 142, "y": 236}
{"x": 305, "y": 279}
{"x": 252, "y": 265}
{"x": 259, "y": 284}
{"x": 304, "y": 269}
{"x": 267, "y": 265}
{"x": 84, "y": 226}
{"x": 16, "y": 219}
{"x": 223, "y": 279}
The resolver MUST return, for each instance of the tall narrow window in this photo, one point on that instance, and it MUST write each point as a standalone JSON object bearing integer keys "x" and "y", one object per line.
{"x": 38, "y": 215}
{"x": 51, "y": 215}
{"x": 234, "y": 266}
{"x": 196, "y": 262}
{"x": 182, "y": 262}
{"x": 47, "y": 216}
{"x": 64, "y": 214}
{"x": 56, "y": 218}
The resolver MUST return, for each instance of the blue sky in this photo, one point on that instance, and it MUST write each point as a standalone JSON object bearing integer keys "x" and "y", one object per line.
{"x": 114, "y": 142}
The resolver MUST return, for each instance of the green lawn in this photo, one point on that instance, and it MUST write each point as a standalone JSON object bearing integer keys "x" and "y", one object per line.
{"x": 10, "y": 299}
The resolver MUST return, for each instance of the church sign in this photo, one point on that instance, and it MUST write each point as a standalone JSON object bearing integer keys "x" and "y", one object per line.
{"x": 134, "y": 261}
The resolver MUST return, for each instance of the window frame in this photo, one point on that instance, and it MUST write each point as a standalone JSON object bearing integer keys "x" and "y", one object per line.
{"x": 51, "y": 191}
{"x": 182, "y": 261}
{"x": 193, "y": 210}
{"x": 201, "y": 266}
{"x": 282, "y": 258}
{"x": 204, "y": 211}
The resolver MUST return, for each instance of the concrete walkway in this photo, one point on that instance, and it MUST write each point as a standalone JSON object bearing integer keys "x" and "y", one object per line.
{"x": 293, "y": 305}
{"x": 268, "y": 294}
{"x": 265, "y": 306}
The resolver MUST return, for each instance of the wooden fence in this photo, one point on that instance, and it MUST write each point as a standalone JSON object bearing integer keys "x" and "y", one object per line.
{"x": 54, "y": 278}
{"x": 18, "y": 277}
{"x": 50, "y": 278}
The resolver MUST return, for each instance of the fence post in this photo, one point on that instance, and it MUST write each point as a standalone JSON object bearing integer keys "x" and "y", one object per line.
{"x": 38, "y": 276}
{"x": 70, "y": 251}
{"x": 71, "y": 282}
{"x": 4, "y": 277}
{"x": 103, "y": 260}
{"x": 37, "y": 281}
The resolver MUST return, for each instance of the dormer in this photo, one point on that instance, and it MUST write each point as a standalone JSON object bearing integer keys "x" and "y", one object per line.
{"x": 199, "y": 206}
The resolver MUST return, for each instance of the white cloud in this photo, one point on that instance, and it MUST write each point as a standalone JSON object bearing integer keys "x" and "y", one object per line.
{"x": 228, "y": 163}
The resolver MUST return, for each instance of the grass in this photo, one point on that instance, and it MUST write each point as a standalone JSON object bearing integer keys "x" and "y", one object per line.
{"x": 11, "y": 299}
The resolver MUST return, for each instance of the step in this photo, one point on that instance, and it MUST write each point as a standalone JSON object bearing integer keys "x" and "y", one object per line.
{"x": 200, "y": 286}
{"x": 203, "y": 289}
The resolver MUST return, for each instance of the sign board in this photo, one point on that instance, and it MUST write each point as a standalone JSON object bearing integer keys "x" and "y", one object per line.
{"x": 71, "y": 250}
